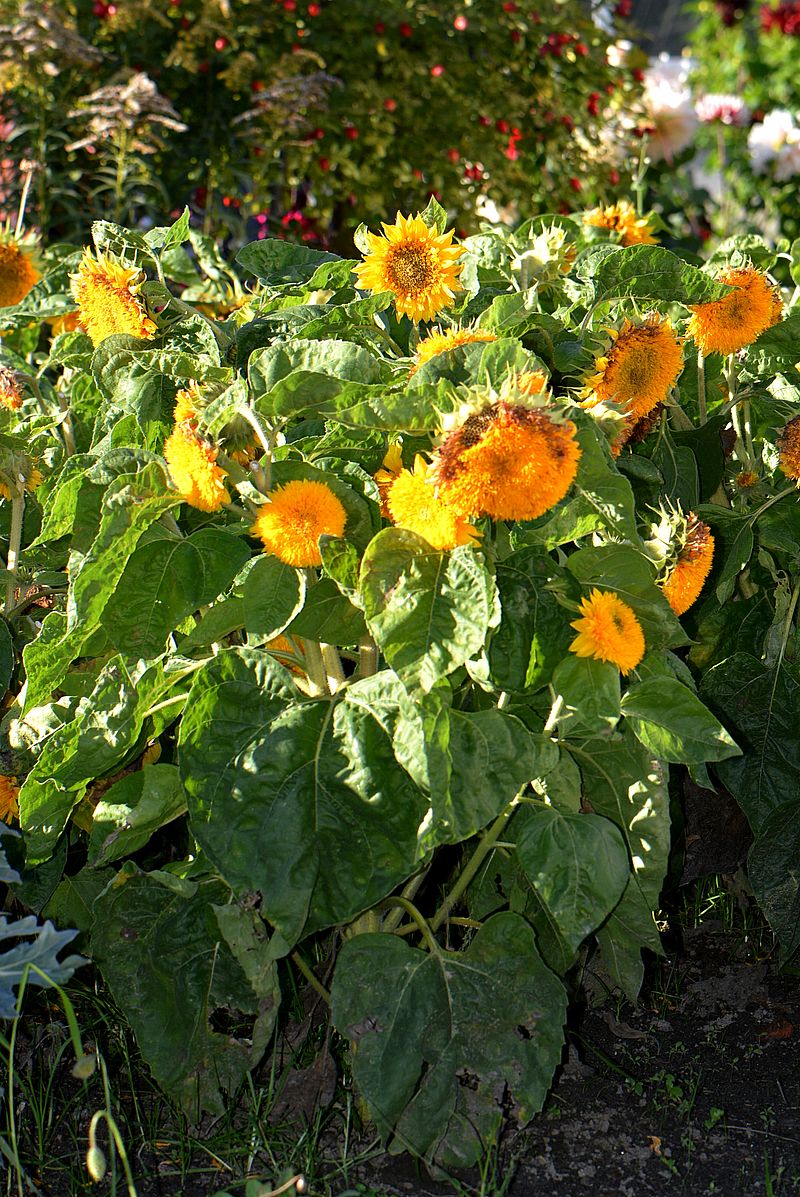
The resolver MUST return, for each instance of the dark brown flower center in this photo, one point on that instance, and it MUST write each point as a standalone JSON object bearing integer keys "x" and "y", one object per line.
{"x": 409, "y": 269}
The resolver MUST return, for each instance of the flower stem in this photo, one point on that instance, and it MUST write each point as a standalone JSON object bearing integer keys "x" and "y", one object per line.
{"x": 367, "y": 657}
{"x": 314, "y": 666}
{"x": 333, "y": 667}
{"x": 310, "y": 976}
{"x": 411, "y": 910}
{"x": 485, "y": 846}
{"x": 14, "y": 542}
{"x": 701, "y": 387}
{"x": 409, "y": 891}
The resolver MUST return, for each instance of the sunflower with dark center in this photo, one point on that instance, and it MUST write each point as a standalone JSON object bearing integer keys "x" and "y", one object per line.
{"x": 417, "y": 264}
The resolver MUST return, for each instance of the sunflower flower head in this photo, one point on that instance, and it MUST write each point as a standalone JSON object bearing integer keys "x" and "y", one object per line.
{"x": 192, "y": 465}
{"x": 296, "y": 515}
{"x": 637, "y": 369}
{"x": 510, "y": 461}
{"x": 545, "y": 258}
{"x": 22, "y": 470}
{"x": 622, "y": 220}
{"x": 391, "y": 466}
{"x": 11, "y": 388}
{"x": 438, "y": 342}
{"x": 413, "y": 503}
{"x": 695, "y": 553}
{"x": 188, "y": 402}
{"x": 533, "y": 382}
{"x": 19, "y": 266}
{"x": 106, "y": 292}
{"x": 417, "y": 264}
{"x": 608, "y": 630}
{"x": 726, "y": 325}
{"x": 9, "y": 799}
{"x": 789, "y": 450}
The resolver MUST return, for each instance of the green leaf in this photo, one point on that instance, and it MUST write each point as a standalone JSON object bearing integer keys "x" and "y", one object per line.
{"x": 440, "y": 1035}
{"x": 651, "y": 272}
{"x": 165, "y": 580}
{"x": 170, "y": 969}
{"x": 273, "y": 594}
{"x": 772, "y": 869}
{"x": 628, "y": 930}
{"x": 7, "y": 656}
{"x": 776, "y": 350}
{"x": 164, "y": 237}
{"x": 429, "y": 612}
{"x": 674, "y": 725}
{"x": 534, "y": 632}
{"x": 299, "y": 799}
{"x": 328, "y": 616}
{"x": 132, "y": 810}
{"x": 122, "y": 243}
{"x": 589, "y": 691}
{"x": 278, "y": 262}
{"x": 578, "y": 865}
{"x": 434, "y": 215}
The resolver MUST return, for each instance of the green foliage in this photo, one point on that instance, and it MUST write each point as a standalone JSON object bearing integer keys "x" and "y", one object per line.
{"x": 373, "y": 752}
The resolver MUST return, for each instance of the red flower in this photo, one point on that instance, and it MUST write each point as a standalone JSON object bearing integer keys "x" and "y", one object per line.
{"x": 437, "y": 71}
{"x": 460, "y": 23}
{"x": 406, "y": 30}
{"x": 390, "y": 104}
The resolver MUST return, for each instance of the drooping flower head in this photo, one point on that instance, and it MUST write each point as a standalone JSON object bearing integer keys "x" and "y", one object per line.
{"x": 20, "y": 469}
{"x": 192, "y": 465}
{"x": 187, "y": 402}
{"x": 789, "y": 449}
{"x": 638, "y": 369}
{"x": 685, "y": 580}
{"x": 418, "y": 265}
{"x": 413, "y": 503}
{"x": 533, "y": 382}
{"x": 107, "y": 294}
{"x": 9, "y": 799}
{"x": 511, "y": 459}
{"x": 546, "y": 256}
{"x": 297, "y": 514}
{"x": 438, "y": 342}
{"x": 608, "y": 630}
{"x": 10, "y": 388}
{"x": 622, "y": 220}
{"x": 726, "y": 325}
{"x": 19, "y": 266}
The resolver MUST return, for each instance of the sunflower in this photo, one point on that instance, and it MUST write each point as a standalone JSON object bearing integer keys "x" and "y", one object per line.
{"x": 191, "y": 462}
{"x": 746, "y": 479}
{"x": 295, "y": 517}
{"x": 438, "y": 342}
{"x": 533, "y": 382}
{"x": 414, "y": 504}
{"x": 20, "y": 467}
{"x": 417, "y": 264}
{"x": 638, "y": 369}
{"x": 106, "y": 293}
{"x": 728, "y": 324}
{"x": 391, "y": 466}
{"x": 621, "y": 218}
{"x": 608, "y": 630}
{"x": 789, "y": 449}
{"x": 19, "y": 268}
{"x": 186, "y": 403}
{"x": 685, "y": 580}
{"x": 507, "y": 461}
{"x": 10, "y": 388}
{"x": 9, "y": 799}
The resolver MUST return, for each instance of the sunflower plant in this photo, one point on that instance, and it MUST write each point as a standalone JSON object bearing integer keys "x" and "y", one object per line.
{"x": 362, "y": 620}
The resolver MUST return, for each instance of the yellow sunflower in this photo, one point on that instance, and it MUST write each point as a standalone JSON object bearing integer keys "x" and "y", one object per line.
{"x": 438, "y": 342}
{"x": 417, "y": 264}
{"x": 391, "y": 466}
{"x": 508, "y": 461}
{"x": 789, "y": 448}
{"x": 22, "y": 468}
{"x": 9, "y": 799}
{"x": 728, "y": 324}
{"x": 638, "y": 369}
{"x": 621, "y": 218}
{"x": 608, "y": 630}
{"x": 685, "y": 580}
{"x": 192, "y": 465}
{"x": 297, "y": 514}
{"x": 19, "y": 268}
{"x": 10, "y": 388}
{"x": 414, "y": 504}
{"x": 186, "y": 403}
{"x": 106, "y": 293}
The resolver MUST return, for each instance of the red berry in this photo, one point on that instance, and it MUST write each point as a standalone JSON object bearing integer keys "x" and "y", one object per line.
{"x": 318, "y": 133}
{"x": 611, "y": 88}
{"x": 99, "y": 10}
{"x": 220, "y": 43}
{"x": 623, "y": 9}
{"x": 509, "y": 6}
{"x": 460, "y": 23}
{"x": 613, "y": 177}
{"x": 502, "y": 126}
{"x": 111, "y": 9}
{"x": 390, "y": 104}
{"x": 257, "y": 85}
{"x": 314, "y": 10}
{"x": 453, "y": 155}
{"x": 437, "y": 71}
{"x": 417, "y": 173}
{"x": 185, "y": 23}
{"x": 582, "y": 49}
{"x": 575, "y": 184}
{"x": 406, "y": 30}
{"x": 638, "y": 74}
{"x": 203, "y": 67}
{"x": 351, "y": 133}
{"x": 289, "y": 5}
{"x": 516, "y": 36}
{"x": 380, "y": 27}
{"x": 568, "y": 123}
{"x": 484, "y": 121}
{"x": 324, "y": 164}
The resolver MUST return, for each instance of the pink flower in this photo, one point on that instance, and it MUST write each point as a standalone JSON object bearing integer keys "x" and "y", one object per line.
{"x": 727, "y": 110}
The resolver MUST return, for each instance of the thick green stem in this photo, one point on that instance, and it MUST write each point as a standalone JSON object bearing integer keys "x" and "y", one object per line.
{"x": 411, "y": 910}
{"x": 485, "y": 846}
{"x": 14, "y": 542}
{"x": 367, "y": 657}
{"x": 334, "y": 673}
{"x": 409, "y": 891}
{"x": 314, "y": 667}
{"x": 311, "y": 977}
{"x": 701, "y": 387}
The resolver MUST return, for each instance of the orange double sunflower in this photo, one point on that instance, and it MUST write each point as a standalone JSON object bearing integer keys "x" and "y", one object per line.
{"x": 608, "y": 630}
{"x": 726, "y": 325}
{"x": 639, "y": 368}
{"x": 686, "y": 578}
{"x": 106, "y": 293}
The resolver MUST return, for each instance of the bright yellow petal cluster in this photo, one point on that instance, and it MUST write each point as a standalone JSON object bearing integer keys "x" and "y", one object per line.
{"x": 9, "y": 799}
{"x": 509, "y": 462}
{"x": 608, "y": 630}
{"x": 726, "y": 325}
{"x": 638, "y": 370}
{"x": 105, "y": 292}
{"x": 192, "y": 465}
{"x": 438, "y": 342}
{"x": 391, "y": 466}
{"x": 789, "y": 448}
{"x": 295, "y": 517}
{"x": 621, "y": 218}
{"x": 18, "y": 268}
{"x": 33, "y": 477}
{"x": 418, "y": 265}
{"x": 685, "y": 580}
{"x": 10, "y": 388}
{"x": 413, "y": 503}
{"x": 186, "y": 401}
{"x": 533, "y": 382}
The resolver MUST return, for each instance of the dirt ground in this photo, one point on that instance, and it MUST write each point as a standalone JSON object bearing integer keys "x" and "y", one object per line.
{"x": 697, "y": 1091}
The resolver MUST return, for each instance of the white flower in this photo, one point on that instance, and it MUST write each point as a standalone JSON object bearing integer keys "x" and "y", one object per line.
{"x": 776, "y": 140}
{"x": 728, "y": 110}
{"x": 669, "y": 111}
